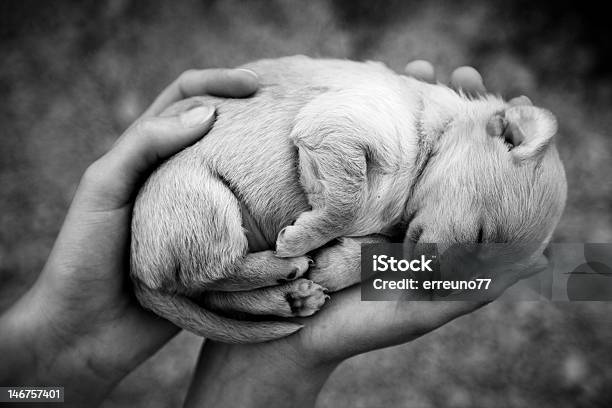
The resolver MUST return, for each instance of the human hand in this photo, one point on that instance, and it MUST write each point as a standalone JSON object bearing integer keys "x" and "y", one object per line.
{"x": 79, "y": 326}
{"x": 465, "y": 79}
{"x": 291, "y": 371}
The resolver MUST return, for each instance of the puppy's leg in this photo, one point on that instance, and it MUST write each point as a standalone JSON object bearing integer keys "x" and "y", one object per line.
{"x": 299, "y": 298}
{"x": 261, "y": 269}
{"x": 336, "y": 267}
{"x": 188, "y": 236}
{"x": 339, "y": 266}
{"x": 333, "y": 174}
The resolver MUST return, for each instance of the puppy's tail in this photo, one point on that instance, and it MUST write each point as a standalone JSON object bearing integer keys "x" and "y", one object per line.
{"x": 186, "y": 314}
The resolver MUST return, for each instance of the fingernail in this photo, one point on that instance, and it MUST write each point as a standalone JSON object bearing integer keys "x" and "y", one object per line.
{"x": 250, "y": 72}
{"x": 197, "y": 116}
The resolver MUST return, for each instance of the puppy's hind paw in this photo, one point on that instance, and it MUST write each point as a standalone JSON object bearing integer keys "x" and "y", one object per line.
{"x": 297, "y": 267}
{"x": 306, "y": 297}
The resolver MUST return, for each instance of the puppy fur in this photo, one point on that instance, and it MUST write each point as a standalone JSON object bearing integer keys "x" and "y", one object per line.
{"x": 331, "y": 149}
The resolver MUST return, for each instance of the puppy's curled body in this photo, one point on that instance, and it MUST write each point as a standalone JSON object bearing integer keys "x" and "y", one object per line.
{"x": 330, "y": 149}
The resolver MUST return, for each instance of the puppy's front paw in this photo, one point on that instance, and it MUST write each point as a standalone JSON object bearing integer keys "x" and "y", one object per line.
{"x": 305, "y": 297}
{"x": 338, "y": 266}
{"x": 291, "y": 242}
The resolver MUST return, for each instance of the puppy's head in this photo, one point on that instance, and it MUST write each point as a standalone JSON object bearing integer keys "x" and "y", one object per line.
{"x": 493, "y": 176}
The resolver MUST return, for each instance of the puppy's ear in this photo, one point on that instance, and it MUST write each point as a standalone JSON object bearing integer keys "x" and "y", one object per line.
{"x": 526, "y": 129}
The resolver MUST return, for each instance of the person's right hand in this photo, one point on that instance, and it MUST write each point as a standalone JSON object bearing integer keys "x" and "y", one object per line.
{"x": 290, "y": 371}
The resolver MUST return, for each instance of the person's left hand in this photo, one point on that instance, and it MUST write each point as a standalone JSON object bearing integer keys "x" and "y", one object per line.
{"x": 79, "y": 326}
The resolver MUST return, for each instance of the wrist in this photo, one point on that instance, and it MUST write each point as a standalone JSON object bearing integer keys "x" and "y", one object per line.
{"x": 266, "y": 374}
{"x": 37, "y": 355}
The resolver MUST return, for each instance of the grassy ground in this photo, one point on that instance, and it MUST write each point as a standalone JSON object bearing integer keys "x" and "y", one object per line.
{"x": 74, "y": 75}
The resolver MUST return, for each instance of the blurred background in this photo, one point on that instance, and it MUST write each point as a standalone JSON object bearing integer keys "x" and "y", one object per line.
{"x": 74, "y": 75}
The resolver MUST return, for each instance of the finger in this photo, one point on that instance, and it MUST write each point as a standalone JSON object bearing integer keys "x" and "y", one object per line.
{"x": 540, "y": 265}
{"x": 113, "y": 179}
{"x": 421, "y": 70}
{"x": 500, "y": 281}
{"x": 520, "y": 101}
{"x": 234, "y": 83}
{"x": 468, "y": 80}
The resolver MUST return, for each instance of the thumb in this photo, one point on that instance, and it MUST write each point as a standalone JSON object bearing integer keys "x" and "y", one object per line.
{"x": 113, "y": 180}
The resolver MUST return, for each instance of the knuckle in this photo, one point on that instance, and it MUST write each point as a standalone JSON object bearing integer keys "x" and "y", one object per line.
{"x": 187, "y": 74}
{"x": 147, "y": 131}
{"x": 94, "y": 172}
{"x": 143, "y": 126}
{"x": 185, "y": 78}
{"x": 96, "y": 175}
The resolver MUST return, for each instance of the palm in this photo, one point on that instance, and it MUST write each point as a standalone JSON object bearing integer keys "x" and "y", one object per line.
{"x": 90, "y": 283}
{"x": 347, "y": 325}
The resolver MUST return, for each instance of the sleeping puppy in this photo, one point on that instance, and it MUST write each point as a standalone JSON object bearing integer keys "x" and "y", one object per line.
{"x": 328, "y": 155}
